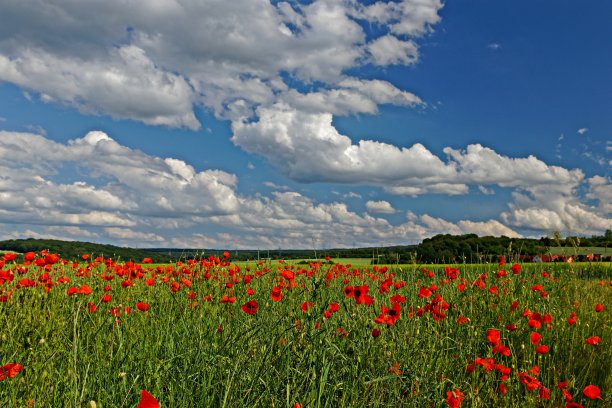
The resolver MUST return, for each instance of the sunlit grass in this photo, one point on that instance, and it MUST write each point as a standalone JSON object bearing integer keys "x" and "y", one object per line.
{"x": 188, "y": 349}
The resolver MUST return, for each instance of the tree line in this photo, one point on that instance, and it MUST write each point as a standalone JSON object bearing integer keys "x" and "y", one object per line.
{"x": 443, "y": 248}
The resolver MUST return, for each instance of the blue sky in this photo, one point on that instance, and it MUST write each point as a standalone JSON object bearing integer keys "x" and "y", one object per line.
{"x": 327, "y": 123}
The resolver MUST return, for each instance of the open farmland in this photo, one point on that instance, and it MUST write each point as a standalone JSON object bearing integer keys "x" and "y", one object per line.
{"x": 569, "y": 251}
{"x": 212, "y": 333}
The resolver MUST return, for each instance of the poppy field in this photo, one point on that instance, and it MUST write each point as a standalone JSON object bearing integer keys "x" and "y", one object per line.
{"x": 208, "y": 332}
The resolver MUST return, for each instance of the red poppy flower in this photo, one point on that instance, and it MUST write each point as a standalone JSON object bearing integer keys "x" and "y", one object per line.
{"x": 592, "y": 392}
{"x": 305, "y": 306}
{"x": 542, "y": 349}
{"x": 593, "y": 340}
{"x": 250, "y": 307}
{"x": 9, "y": 256}
{"x": 599, "y": 307}
{"x": 51, "y": 259}
{"x": 174, "y": 286}
{"x": 10, "y": 370}
{"x": 360, "y": 293}
{"x": 530, "y": 382}
{"x": 143, "y": 307}
{"x": 451, "y": 273}
{"x": 516, "y": 269}
{"x": 147, "y": 400}
{"x": 389, "y": 315}
{"x": 29, "y": 256}
{"x": 572, "y": 319}
{"x": 227, "y": 299}
{"x": 454, "y": 398}
{"x": 397, "y": 299}
{"x": 534, "y": 324}
{"x": 535, "y": 338}
{"x": 501, "y": 349}
{"x": 462, "y": 320}
{"x": 276, "y": 294}
{"x": 424, "y": 292}
{"x": 85, "y": 290}
{"x": 493, "y": 336}
{"x": 375, "y": 333}
{"x": 395, "y": 369}
{"x": 503, "y": 370}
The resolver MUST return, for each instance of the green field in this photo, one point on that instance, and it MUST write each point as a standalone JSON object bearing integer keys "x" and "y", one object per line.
{"x": 569, "y": 251}
{"x": 193, "y": 347}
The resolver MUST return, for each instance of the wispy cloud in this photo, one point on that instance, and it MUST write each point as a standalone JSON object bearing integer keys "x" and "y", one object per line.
{"x": 275, "y": 186}
{"x": 37, "y": 129}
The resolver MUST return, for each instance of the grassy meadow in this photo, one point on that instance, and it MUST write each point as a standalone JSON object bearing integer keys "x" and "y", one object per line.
{"x": 210, "y": 333}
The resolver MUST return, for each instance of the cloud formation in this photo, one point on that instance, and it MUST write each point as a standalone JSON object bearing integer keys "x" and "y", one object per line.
{"x": 311, "y": 149}
{"x": 276, "y": 70}
{"x": 279, "y": 72}
{"x": 156, "y": 62}
{"x": 138, "y": 184}
{"x": 125, "y": 196}
{"x": 379, "y": 207}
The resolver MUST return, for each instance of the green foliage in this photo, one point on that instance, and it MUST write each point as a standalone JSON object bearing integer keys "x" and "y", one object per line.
{"x": 444, "y": 248}
{"x": 192, "y": 352}
{"x": 73, "y": 250}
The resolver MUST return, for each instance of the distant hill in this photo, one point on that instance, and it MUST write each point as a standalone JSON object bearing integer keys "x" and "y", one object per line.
{"x": 73, "y": 250}
{"x": 474, "y": 249}
{"x": 443, "y": 248}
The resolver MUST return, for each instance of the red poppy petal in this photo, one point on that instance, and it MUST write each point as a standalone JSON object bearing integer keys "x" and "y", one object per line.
{"x": 147, "y": 400}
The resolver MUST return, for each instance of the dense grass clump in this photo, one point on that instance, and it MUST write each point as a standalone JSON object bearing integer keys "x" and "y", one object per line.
{"x": 212, "y": 333}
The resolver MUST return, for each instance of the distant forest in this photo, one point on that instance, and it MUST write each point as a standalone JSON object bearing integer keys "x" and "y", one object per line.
{"x": 444, "y": 248}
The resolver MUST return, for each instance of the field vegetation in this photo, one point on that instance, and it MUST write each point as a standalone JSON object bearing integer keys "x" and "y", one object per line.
{"x": 443, "y": 248}
{"x": 210, "y": 332}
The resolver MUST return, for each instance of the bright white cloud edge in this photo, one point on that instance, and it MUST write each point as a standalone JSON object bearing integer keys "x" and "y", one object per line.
{"x": 135, "y": 199}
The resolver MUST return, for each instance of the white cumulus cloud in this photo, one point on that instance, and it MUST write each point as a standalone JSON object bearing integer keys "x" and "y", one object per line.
{"x": 380, "y": 207}
{"x": 132, "y": 198}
